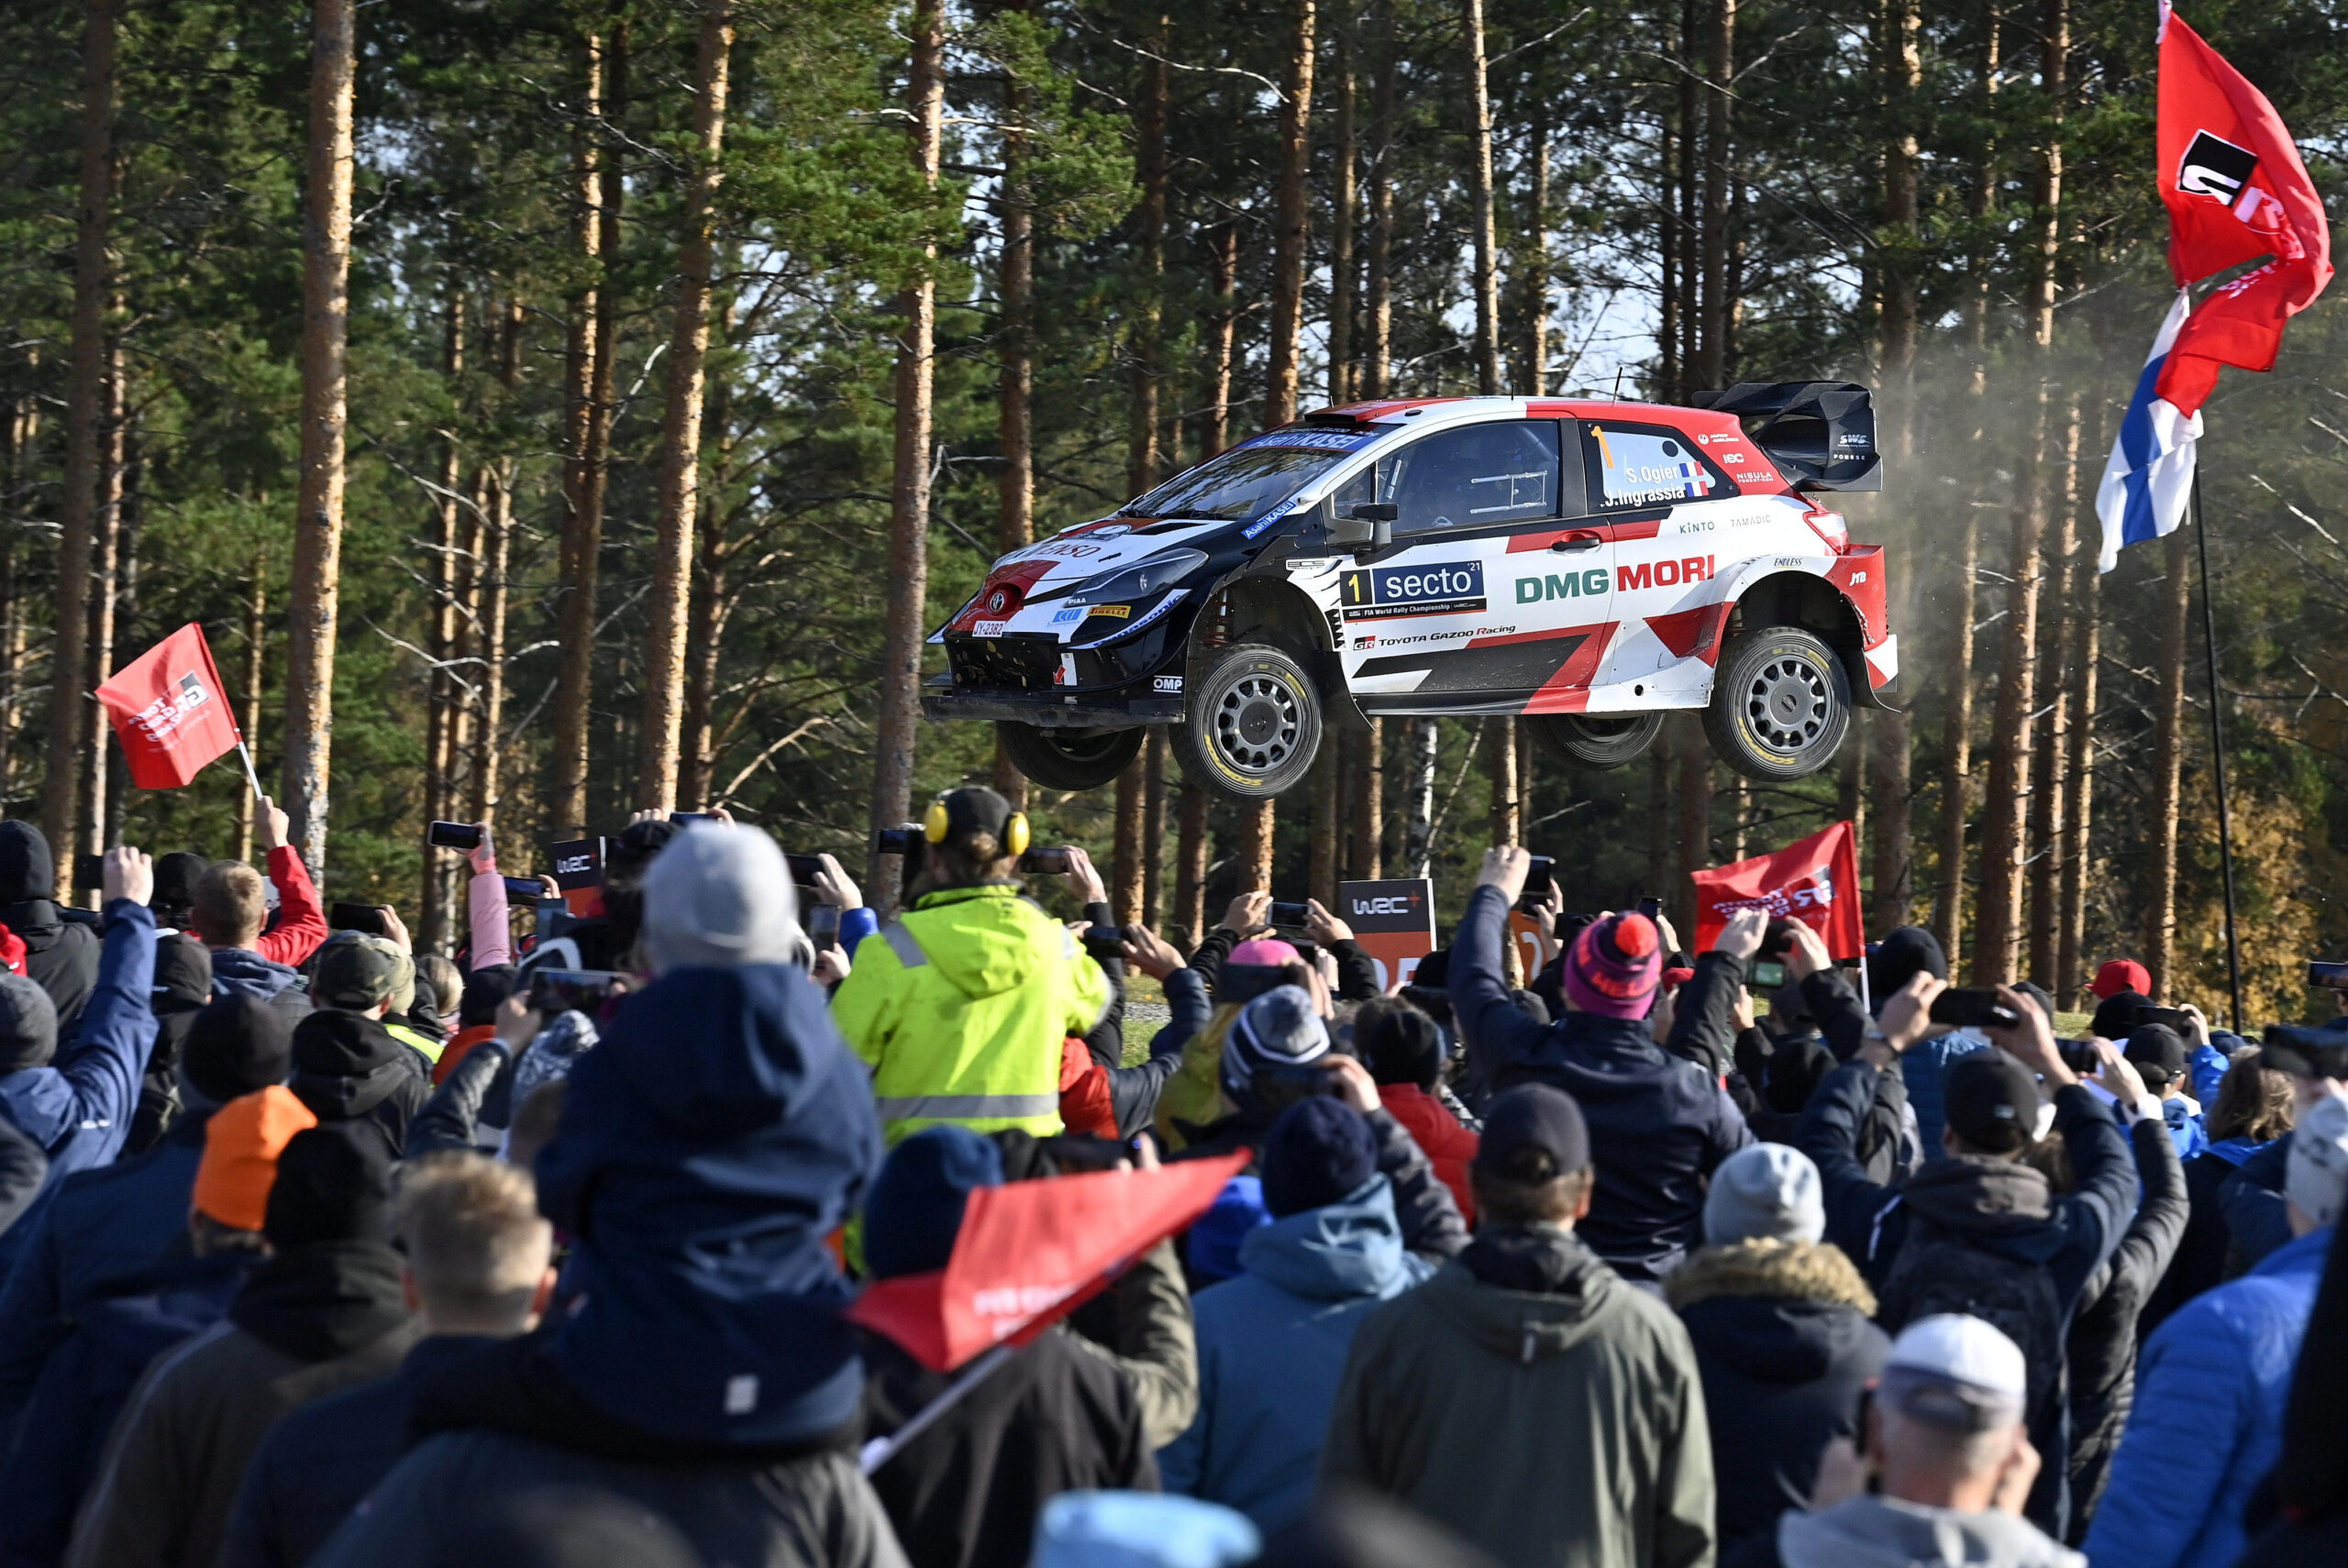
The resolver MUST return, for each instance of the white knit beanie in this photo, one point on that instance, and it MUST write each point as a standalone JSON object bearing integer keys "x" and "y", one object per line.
{"x": 716, "y": 895}
{"x": 1764, "y": 1191}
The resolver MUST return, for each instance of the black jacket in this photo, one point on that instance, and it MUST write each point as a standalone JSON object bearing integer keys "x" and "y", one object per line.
{"x": 2101, "y": 1349}
{"x": 966, "y": 1492}
{"x": 349, "y": 1068}
{"x": 60, "y": 954}
{"x": 317, "y": 1463}
{"x": 1658, "y": 1124}
{"x": 2201, "y": 1255}
{"x": 451, "y": 1119}
{"x": 2252, "y": 1200}
{"x": 1428, "y": 1214}
{"x": 1133, "y": 1091}
{"x": 1785, "y": 1349}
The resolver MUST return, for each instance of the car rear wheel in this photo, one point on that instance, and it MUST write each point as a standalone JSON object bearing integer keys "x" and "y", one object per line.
{"x": 1781, "y": 705}
{"x": 1254, "y": 725}
{"x": 1069, "y": 758}
{"x": 1597, "y": 741}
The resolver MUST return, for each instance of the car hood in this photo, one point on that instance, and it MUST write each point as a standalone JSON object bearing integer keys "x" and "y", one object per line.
{"x": 1024, "y": 590}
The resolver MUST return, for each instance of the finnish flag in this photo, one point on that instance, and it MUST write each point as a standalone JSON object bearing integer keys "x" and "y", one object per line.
{"x": 2150, "y": 477}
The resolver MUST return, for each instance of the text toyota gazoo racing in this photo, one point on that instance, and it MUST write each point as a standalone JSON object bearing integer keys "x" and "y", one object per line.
{"x": 1591, "y": 565}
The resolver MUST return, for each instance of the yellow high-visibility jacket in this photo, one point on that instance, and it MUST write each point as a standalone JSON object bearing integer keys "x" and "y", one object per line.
{"x": 961, "y": 1005}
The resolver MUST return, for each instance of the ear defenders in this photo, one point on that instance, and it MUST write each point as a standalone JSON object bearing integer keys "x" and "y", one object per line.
{"x": 939, "y": 821}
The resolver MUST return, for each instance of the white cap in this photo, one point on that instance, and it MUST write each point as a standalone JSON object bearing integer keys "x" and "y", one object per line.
{"x": 2315, "y": 1177}
{"x": 1956, "y": 1371}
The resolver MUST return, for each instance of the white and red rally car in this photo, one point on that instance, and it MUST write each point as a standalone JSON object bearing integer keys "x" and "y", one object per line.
{"x": 1591, "y": 566}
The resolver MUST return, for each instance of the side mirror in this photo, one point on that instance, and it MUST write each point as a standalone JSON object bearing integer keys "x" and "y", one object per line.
{"x": 1368, "y": 525}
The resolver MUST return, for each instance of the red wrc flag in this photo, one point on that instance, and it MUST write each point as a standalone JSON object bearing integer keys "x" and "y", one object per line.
{"x": 1815, "y": 881}
{"x": 2236, "y": 192}
{"x": 170, "y": 711}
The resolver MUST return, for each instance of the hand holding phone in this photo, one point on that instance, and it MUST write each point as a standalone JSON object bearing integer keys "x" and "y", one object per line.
{"x": 453, "y": 835}
{"x": 1972, "y": 1006}
{"x": 349, "y": 916}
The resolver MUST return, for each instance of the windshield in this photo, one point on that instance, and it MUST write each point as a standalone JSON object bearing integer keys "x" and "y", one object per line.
{"x": 1252, "y": 479}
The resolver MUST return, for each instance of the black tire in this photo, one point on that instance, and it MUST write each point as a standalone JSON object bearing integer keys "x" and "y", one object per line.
{"x": 1253, "y": 724}
{"x": 1066, "y": 758}
{"x": 1595, "y": 741}
{"x": 1781, "y": 705}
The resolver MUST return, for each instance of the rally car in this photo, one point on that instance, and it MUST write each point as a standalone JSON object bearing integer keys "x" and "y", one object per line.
{"x": 1591, "y": 566}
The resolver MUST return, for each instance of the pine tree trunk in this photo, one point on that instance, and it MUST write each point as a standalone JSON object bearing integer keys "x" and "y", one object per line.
{"x": 1153, "y": 832}
{"x": 255, "y": 673}
{"x": 2168, "y": 763}
{"x": 1223, "y": 282}
{"x": 1344, "y": 193}
{"x": 1891, "y": 786}
{"x": 1506, "y": 821}
{"x": 1981, "y": 200}
{"x": 23, "y": 430}
{"x": 1850, "y": 781}
{"x": 1693, "y": 97}
{"x": 1425, "y": 743}
{"x": 1903, "y": 76}
{"x": 2049, "y": 836}
{"x": 1532, "y": 265}
{"x": 899, "y": 704}
{"x": 71, "y": 716}
{"x": 672, "y": 553}
{"x": 1324, "y": 843}
{"x": 1719, "y": 62}
{"x": 314, "y": 607}
{"x": 1695, "y": 818}
{"x": 1291, "y": 224}
{"x": 1015, "y": 369}
{"x": 1377, "y": 284}
{"x": 590, "y": 363}
{"x": 1367, "y": 818}
{"x": 443, "y": 639}
{"x": 2081, "y": 605}
{"x": 697, "y": 780}
{"x": 1485, "y": 279}
{"x": 1670, "y": 242}
{"x": 1128, "y": 876}
{"x": 1663, "y": 823}
{"x": 1956, "y": 743}
{"x": 1189, "y": 914}
{"x": 105, "y": 576}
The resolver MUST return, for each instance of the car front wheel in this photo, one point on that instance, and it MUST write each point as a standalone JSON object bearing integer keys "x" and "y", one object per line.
{"x": 1069, "y": 758}
{"x": 1781, "y": 705}
{"x": 1596, "y": 741}
{"x": 1253, "y": 724}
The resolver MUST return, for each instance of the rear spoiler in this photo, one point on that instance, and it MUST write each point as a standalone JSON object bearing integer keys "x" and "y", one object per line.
{"x": 1820, "y": 433}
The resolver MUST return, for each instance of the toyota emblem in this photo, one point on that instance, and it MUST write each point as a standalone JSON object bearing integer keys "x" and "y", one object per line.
{"x": 999, "y": 600}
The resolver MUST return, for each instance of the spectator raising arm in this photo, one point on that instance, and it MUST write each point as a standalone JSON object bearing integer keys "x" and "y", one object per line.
{"x": 1829, "y": 1130}
{"x": 1703, "y": 1028}
{"x": 489, "y": 928}
{"x": 300, "y": 922}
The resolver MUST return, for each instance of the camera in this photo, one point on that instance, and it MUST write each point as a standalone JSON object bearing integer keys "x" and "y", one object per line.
{"x": 1778, "y": 938}
{"x": 2175, "y": 1018}
{"x": 367, "y": 918}
{"x": 823, "y": 926}
{"x": 1965, "y": 1007}
{"x": 1767, "y": 976}
{"x": 1287, "y": 916}
{"x": 906, "y": 841}
{"x": 89, "y": 873}
{"x": 1051, "y": 862}
{"x": 523, "y": 889}
{"x": 1102, "y": 942}
{"x": 804, "y": 869}
{"x": 572, "y": 990}
{"x": 1541, "y": 874}
{"x": 2328, "y": 974}
{"x": 453, "y": 835}
{"x": 686, "y": 819}
{"x": 2079, "y": 1055}
{"x": 1651, "y": 908}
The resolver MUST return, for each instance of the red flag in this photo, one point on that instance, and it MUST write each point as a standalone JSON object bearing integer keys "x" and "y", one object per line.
{"x": 2236, "y": 190}
{"x": 170, "y": 711}
{"x": 1030, "y": 1252}
{"x": 1815, "y": 881}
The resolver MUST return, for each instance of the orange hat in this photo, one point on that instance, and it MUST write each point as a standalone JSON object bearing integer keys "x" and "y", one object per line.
{"x": 242, "y": 1143}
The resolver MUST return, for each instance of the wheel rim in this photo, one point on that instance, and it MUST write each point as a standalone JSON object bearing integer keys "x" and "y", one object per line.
{"x": 1788, "y": 703}
{"x": 1259, "y": 723}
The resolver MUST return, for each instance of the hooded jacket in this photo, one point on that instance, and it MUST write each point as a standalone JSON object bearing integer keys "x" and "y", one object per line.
{"x": 1430, "y": 1220}
{"x": 960, "y": 1008}
{"x": 306, "y": 1323}
{"x": 2101, "y": 1347}
{"x": 98, "y": 1226}
{"x": 709, "y": 1145}
{"x": 1272, "y": 1346}
{"x": 1785, "y": 1349}
{"x": 78, "y": 1108}
{"x": 349, "y": 1068}
{"x": 1887, "y": 1533}
{"x": 2208, "y": 1422}
{"x": 1530, "y": 1402}
{"x": 1440, "y": 1135}
{"x": 1998, "y": 1205}
{"x": 241, "y": 972}
{"x": 1658, "y": 1124}
{"x": 61, "y": 956}
{"x": 82, "y": 1386}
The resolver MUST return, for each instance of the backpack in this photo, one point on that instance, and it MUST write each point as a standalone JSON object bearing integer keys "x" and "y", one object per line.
{"x": 1940, "y": 1270}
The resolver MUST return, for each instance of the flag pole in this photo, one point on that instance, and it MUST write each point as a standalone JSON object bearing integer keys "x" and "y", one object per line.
{"x": 260, "y": 796}
{"x": 2217, "y": 755}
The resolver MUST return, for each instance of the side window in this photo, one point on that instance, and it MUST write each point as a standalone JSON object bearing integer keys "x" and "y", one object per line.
{"x": 1474, "y": 477}
{"x": 1647, "y": 465}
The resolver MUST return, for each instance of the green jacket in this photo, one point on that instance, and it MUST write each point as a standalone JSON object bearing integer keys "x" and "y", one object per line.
{"x": 961, "y": 1007}
{"x": 1557, "y": 1424}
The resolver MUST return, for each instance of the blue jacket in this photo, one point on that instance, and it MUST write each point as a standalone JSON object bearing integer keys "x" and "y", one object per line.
{"x": 2184, "y": 1130}
{"x": 1921, "y": 1066}
{"x": 319, "y": 1461}
{"x": 1272, "y": 1346}
{"x": 79, "y": 1107}
{"x": 712, "y": 1141}
{"x": 85, "y": 1386}
{"x": 2208, "y": 1067}
{"x": 2208, "y": 1418}
{"x": 241, "y": 972}
{"x": 97, "y": 1226}
{"x": 1658, "y": 1125}
{"x": 2257, "y": 1218}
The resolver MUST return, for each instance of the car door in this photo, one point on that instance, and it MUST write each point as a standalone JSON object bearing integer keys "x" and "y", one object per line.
{"x": 1653, "y": 492}
{"x": 1469, "y": 609}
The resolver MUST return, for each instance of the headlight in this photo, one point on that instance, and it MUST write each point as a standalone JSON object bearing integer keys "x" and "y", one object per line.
{"x": 1139, "y": 580}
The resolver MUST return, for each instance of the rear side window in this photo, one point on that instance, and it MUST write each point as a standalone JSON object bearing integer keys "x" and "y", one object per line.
{"x": 1646, "y": 465}
{"x": 1476, "y": 476}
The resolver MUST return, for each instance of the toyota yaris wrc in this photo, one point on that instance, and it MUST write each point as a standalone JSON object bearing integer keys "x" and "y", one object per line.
{"x": 1591, "y": 566}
